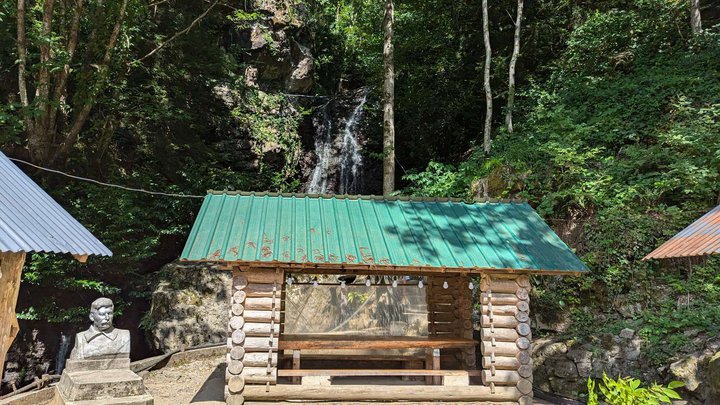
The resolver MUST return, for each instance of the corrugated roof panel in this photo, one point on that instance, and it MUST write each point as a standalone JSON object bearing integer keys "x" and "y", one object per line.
{"x": 301, "y": 229}
{"x": 700, "y": 238}
{"x": 31, "y": 221}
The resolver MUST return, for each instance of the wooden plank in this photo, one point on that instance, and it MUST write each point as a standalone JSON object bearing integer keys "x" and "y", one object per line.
{"x": 499, "y": 298}
{"x": 300, "y": 342}
{"x": 260, "y": 359}
{"x": 261, "y": 329}
{"x": 498, "y": 321}
{"x": 259, "y": 375}
{"x": 370, "y": 372}
{"x": 499, "y": 348}
{"x": 504, "y": 310}
{"x": 501, "y": 363}
{"x": 10, "y": 269}
{"x": 261, "y": 290}
{"x": 261, "y": 316}
{"x": 361, "y": 357}
{"x": 444, "y": 317}
{"x": 262, "y": 304}
{"x": 499, "y": 334}
{"x": 357, "y": 393}
{"x": 499, "y": 285}
{"x": 500, "y": 377}
{"x": 258, "y": 344}
{"x": 264, "y": 276}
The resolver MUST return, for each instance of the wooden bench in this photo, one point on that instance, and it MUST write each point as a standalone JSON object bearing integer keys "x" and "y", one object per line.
{"x": 433, "y": 344}
{"x": 450, "y": 377}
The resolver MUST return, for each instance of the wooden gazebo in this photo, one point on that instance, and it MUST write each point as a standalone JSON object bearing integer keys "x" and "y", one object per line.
{"x": 445, "y": 245}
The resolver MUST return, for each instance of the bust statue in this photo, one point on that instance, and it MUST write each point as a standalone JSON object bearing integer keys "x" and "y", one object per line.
{"x": 101, "y": 340}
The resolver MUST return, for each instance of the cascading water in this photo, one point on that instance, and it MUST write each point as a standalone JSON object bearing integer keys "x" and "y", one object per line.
{"x": 323, "y": 151}
{"x": 330, "y": 155}
{"x": 350, "y": 157}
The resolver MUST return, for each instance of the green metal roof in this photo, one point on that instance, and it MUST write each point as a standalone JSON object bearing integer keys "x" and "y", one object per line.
{"x": 375, "y": 231}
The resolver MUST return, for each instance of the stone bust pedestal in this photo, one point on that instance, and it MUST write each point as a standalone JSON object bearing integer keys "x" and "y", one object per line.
{"x": 98, "y": 371}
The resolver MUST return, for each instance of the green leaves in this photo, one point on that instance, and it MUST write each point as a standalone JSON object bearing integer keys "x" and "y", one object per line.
{"x": 628, "y": 391}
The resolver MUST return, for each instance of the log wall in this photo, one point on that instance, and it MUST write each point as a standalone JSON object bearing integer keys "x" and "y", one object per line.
{"x": 505, "y": 334}
{"x": 253, "y": 331}
{"x": 10, "y": 268}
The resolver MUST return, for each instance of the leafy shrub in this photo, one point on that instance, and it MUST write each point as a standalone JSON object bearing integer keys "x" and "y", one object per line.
{"x": 627, "y": 391}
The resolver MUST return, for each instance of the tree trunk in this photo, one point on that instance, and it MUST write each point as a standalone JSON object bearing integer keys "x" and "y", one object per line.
{"x": 695, "y": 22}
{"x": 22, "y": 61}
{"x": 389, "y": 102}
{"x": 488, "y": 90}
{"x": 511, "y": 70}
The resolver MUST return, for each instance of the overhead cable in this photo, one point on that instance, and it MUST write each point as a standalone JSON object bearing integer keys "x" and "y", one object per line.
{"x": 100, "y": 183}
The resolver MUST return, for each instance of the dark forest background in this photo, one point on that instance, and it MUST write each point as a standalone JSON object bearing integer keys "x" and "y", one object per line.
{"x": 616, "y": 140}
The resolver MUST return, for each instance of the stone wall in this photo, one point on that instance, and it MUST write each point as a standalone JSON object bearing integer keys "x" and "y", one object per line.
{"x": 189, "y": 307}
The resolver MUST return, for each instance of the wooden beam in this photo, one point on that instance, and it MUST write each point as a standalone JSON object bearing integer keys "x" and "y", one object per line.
{"x": 357, "y": 393}
{"x": 370, "y": 372}
{"x": 11, "y": 265}
{"x": 81, "y": 258}
{"x": 302, "y": 342}
{"x": 380, "y": 269}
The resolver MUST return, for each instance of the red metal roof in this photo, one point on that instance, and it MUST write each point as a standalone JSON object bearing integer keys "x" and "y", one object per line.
{"x": 701, "y": 238}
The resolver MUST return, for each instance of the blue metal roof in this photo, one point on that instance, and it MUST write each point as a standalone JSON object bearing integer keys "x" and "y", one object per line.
{"x": 376, "y": 231}
{"x": 31, "y": 221}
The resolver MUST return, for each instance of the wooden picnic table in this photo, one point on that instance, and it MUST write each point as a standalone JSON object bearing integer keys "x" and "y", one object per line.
{"x": 433, "y": 344}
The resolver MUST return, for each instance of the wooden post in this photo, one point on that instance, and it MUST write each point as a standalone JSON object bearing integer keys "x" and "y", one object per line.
{"x": 11, "y": 265}
{"x": 253, "y": 330}
{"x": 506, "y": 338}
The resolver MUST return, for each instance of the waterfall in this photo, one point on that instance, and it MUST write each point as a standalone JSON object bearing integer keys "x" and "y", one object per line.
{"x": 323, "y": 151}
{"x": 339, "y": 162}
{"x": 350, "y": 157}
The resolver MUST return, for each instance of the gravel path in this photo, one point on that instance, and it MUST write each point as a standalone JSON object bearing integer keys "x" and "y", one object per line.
{"x": 199, "y": 381}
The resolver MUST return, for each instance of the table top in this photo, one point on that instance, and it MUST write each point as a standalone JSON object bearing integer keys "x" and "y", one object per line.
{"x": 315, "y": 341}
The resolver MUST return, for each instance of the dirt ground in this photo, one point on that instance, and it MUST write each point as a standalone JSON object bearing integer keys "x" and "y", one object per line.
{"x": 199, "y": 381}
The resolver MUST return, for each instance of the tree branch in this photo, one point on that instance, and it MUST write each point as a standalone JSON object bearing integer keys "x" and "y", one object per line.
{"x": 60, "y": 88}
{"x": 22, "y": 58}
{"x": 179, "y": 33}
{"x": 71, "y": 136}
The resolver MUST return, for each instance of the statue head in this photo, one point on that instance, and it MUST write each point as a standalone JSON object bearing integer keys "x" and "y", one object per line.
{"x": 101, "y": 313}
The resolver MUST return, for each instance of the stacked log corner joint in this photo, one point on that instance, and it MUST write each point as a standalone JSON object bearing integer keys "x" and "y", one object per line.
{"x": 450, "y": 314}
{"x": 505, "y": 334}
{"x": 253, "y": 332}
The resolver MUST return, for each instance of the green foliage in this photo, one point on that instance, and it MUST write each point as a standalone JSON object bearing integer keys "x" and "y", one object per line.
{"x": 627, "y": 391}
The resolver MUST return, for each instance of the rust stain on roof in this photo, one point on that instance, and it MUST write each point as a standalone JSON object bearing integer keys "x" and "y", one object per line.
{"x": 290, "y": 228}
{"x": 700, "y": 238}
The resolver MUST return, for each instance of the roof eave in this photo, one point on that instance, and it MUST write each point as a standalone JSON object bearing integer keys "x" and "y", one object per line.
{"x": 377, "y": 268}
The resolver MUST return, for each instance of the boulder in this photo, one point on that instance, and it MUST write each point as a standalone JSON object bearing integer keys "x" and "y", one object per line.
{"x": 627, "y": 333}
{"x": 189, "y": 307}
{"x": 686, "y": 370}
{"x": 301, "y": 78}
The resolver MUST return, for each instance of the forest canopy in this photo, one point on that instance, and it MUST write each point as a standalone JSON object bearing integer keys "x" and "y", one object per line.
{"x": 616, "y": 138}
